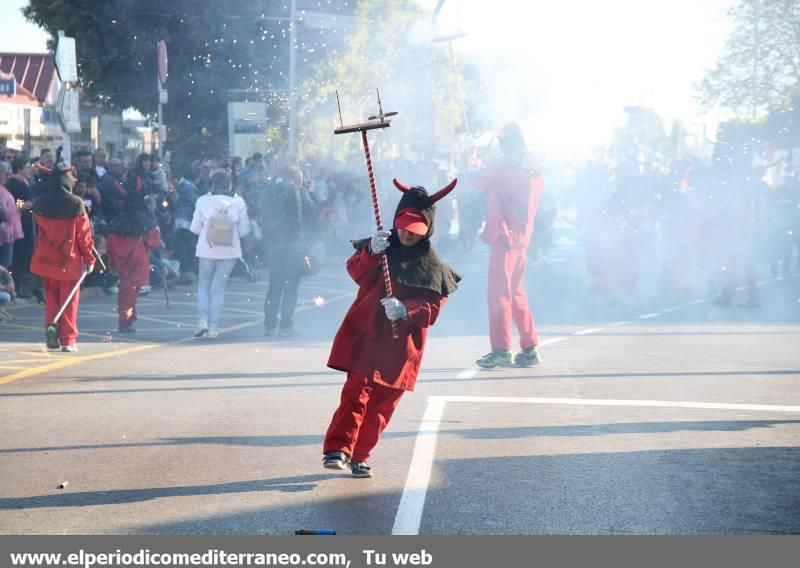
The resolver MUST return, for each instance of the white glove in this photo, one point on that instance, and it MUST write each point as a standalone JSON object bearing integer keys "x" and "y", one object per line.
{"x": 379, "y": 241}
{"x": 395, "y": 309}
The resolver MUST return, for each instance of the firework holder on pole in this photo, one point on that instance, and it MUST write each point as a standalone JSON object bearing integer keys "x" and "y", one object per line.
{"x": 373, "y": 122}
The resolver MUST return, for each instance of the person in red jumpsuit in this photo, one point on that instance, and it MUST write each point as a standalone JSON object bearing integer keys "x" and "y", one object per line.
{"x": 63, "y": 251}
{"x": 379, "y": 367}
{"x": 131, "y": 234}
{"x": 513, "y": 189}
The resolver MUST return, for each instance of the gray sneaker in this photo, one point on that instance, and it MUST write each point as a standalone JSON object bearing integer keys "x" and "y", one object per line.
{"x": 527, "y": 358}
{"x": 361, "y": 469}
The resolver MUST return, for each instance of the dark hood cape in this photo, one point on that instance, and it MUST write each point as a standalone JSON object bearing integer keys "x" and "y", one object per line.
{"x": 419, "y": 265}
{"x": 133, "y": 220}
{"x": 59, "y": 202}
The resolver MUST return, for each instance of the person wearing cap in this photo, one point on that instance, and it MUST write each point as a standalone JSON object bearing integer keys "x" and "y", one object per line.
{"x": 63, "y": 251}
{"x": 513, "y": 189}
{"x": 380, "y": 367}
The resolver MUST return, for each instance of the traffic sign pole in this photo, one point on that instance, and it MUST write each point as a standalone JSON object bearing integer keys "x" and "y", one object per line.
{"x": 161, "y": 58}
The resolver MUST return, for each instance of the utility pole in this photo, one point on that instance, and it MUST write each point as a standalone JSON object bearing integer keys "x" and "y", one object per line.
{"x": 292, "y": 82}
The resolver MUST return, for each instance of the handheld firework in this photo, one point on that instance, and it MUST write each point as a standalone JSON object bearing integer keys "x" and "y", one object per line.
{"x": 375, "y": 121}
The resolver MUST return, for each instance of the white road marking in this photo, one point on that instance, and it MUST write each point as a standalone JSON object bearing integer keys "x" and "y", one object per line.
{"x": 618, "y": 402}
{"x": 468, "y": 373}
{"x": 409, "y": 512}
{"x": 588, "y": 331}
{"x": 648, "y": 316}
{"x": 412, "y": 503}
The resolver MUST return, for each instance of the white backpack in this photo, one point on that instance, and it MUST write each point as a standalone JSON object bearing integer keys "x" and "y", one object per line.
{"x": 220, "y": 228}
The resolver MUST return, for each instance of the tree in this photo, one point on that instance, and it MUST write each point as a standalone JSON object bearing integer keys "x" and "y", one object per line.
{"x": 386, "y": 50}
{"x": 215, "y": 48}
{"x": 760, "y": 65}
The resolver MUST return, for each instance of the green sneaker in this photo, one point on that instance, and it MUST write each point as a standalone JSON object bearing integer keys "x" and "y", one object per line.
{"x": 527, "y": 358}
{"x": 496, "y": 358}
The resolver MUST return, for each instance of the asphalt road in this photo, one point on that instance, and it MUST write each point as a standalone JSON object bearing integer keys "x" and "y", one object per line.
{"x": 658, "y": 417}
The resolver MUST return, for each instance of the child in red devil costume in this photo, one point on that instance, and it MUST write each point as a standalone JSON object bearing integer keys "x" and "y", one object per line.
{"x": 63, "y": 248}
{"x": 131, "y": 234}
{"x": 379, "y": 367}
{"x": 513, "y": 189}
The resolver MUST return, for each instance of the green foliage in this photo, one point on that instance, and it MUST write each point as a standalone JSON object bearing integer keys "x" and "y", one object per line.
{"x": 116, "y": 45}
{"x": 379, "y": 53}
{"x": 760, "y": 66}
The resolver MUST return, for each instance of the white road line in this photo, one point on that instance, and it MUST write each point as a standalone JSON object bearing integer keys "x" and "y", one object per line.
{"x": 412, "y": 503}
{"x": 695, "y": 302}
{"x": 648, "y": 316}
{"x": 409, "y": 513}
{"x": 468, "y": 373}
{"x": 588, "y": 331}
{"x": 618, "y": 402}
{"x": 619, "y": 323}
{"x": 551, "y": 341}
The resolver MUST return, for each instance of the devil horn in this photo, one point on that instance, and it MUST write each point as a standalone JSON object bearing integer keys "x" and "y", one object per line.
{"x": 444, "y": 191}
{"x": 401, "y": 186}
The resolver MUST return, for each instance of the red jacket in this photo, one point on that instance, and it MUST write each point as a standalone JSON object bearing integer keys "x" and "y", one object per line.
{"x": 127, "y": 256}
{"x": 513, "y": 193}
{"x": 63, "y": 247}
{"x": 364, "y": 344}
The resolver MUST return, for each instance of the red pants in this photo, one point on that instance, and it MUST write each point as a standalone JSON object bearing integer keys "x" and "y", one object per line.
{"x": 364, "y": 411}
{"x": 508, "y": 301}
{"x": 55, "y": 293}
{"x": 126, "y": 303}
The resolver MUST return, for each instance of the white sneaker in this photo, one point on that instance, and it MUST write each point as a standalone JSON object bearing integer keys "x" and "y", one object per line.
{"x": 202, "y": 328}
{"x": 213, "y": 333}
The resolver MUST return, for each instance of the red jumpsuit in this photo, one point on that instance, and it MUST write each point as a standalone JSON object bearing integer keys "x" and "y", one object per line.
{"x": 63, "y": 247}
{"x": 513, "y": 193}
{"x": 379, "y": 368}
{"x": 127, "y": 256}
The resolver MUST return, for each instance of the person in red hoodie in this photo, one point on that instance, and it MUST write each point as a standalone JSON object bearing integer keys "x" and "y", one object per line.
{"x": 62, "y": 253}
{"x": 513, "y": 189}
{"x": 379, "y": 367}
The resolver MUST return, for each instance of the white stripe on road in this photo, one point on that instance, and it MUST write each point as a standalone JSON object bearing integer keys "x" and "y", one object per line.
{"x": 588, "y": 331}
{"x": 409, "y": 513}
{"x": 412, "y": 503}
{"x": 648, "y": 316}
{"x": 617, "y": 402}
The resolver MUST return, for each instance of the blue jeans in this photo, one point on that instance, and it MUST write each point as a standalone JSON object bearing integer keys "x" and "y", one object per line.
{"x": 6, "y": 254}
{"x": 5, "y": 299}
{"x": 211, "y": 288}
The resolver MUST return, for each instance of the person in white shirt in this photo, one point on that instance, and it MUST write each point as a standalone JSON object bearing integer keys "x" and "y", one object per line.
{"x": 220, "y": 220}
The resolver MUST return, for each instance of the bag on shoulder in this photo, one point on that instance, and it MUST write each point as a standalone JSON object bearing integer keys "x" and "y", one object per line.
{"x": 220, "y": 228}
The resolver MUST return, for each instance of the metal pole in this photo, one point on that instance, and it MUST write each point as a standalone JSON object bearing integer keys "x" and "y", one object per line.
{"x": 26, "y": 144}
{"x": 160, "y": 118}
{"x": 292, "y": 81}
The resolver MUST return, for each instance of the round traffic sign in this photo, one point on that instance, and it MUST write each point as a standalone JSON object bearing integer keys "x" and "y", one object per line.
{"x": 161, "y": 55}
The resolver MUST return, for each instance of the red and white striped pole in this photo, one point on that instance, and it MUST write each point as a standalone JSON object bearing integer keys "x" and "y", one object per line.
{"x": 377, "y": 208}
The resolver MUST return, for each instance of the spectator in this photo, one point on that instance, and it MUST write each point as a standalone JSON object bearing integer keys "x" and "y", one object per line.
{"x": 19, "y": 184}
{"x": 46, "y": 158}
{"x": 185, "y": 240}
{"x": 293, "y": 212}
{"x": 220, "y": 221}
{"x": 7, "y": 294}
{"x": 138, "y": 179}
{"x": 10, "y": 222}
{"x": 100, "y": 163}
